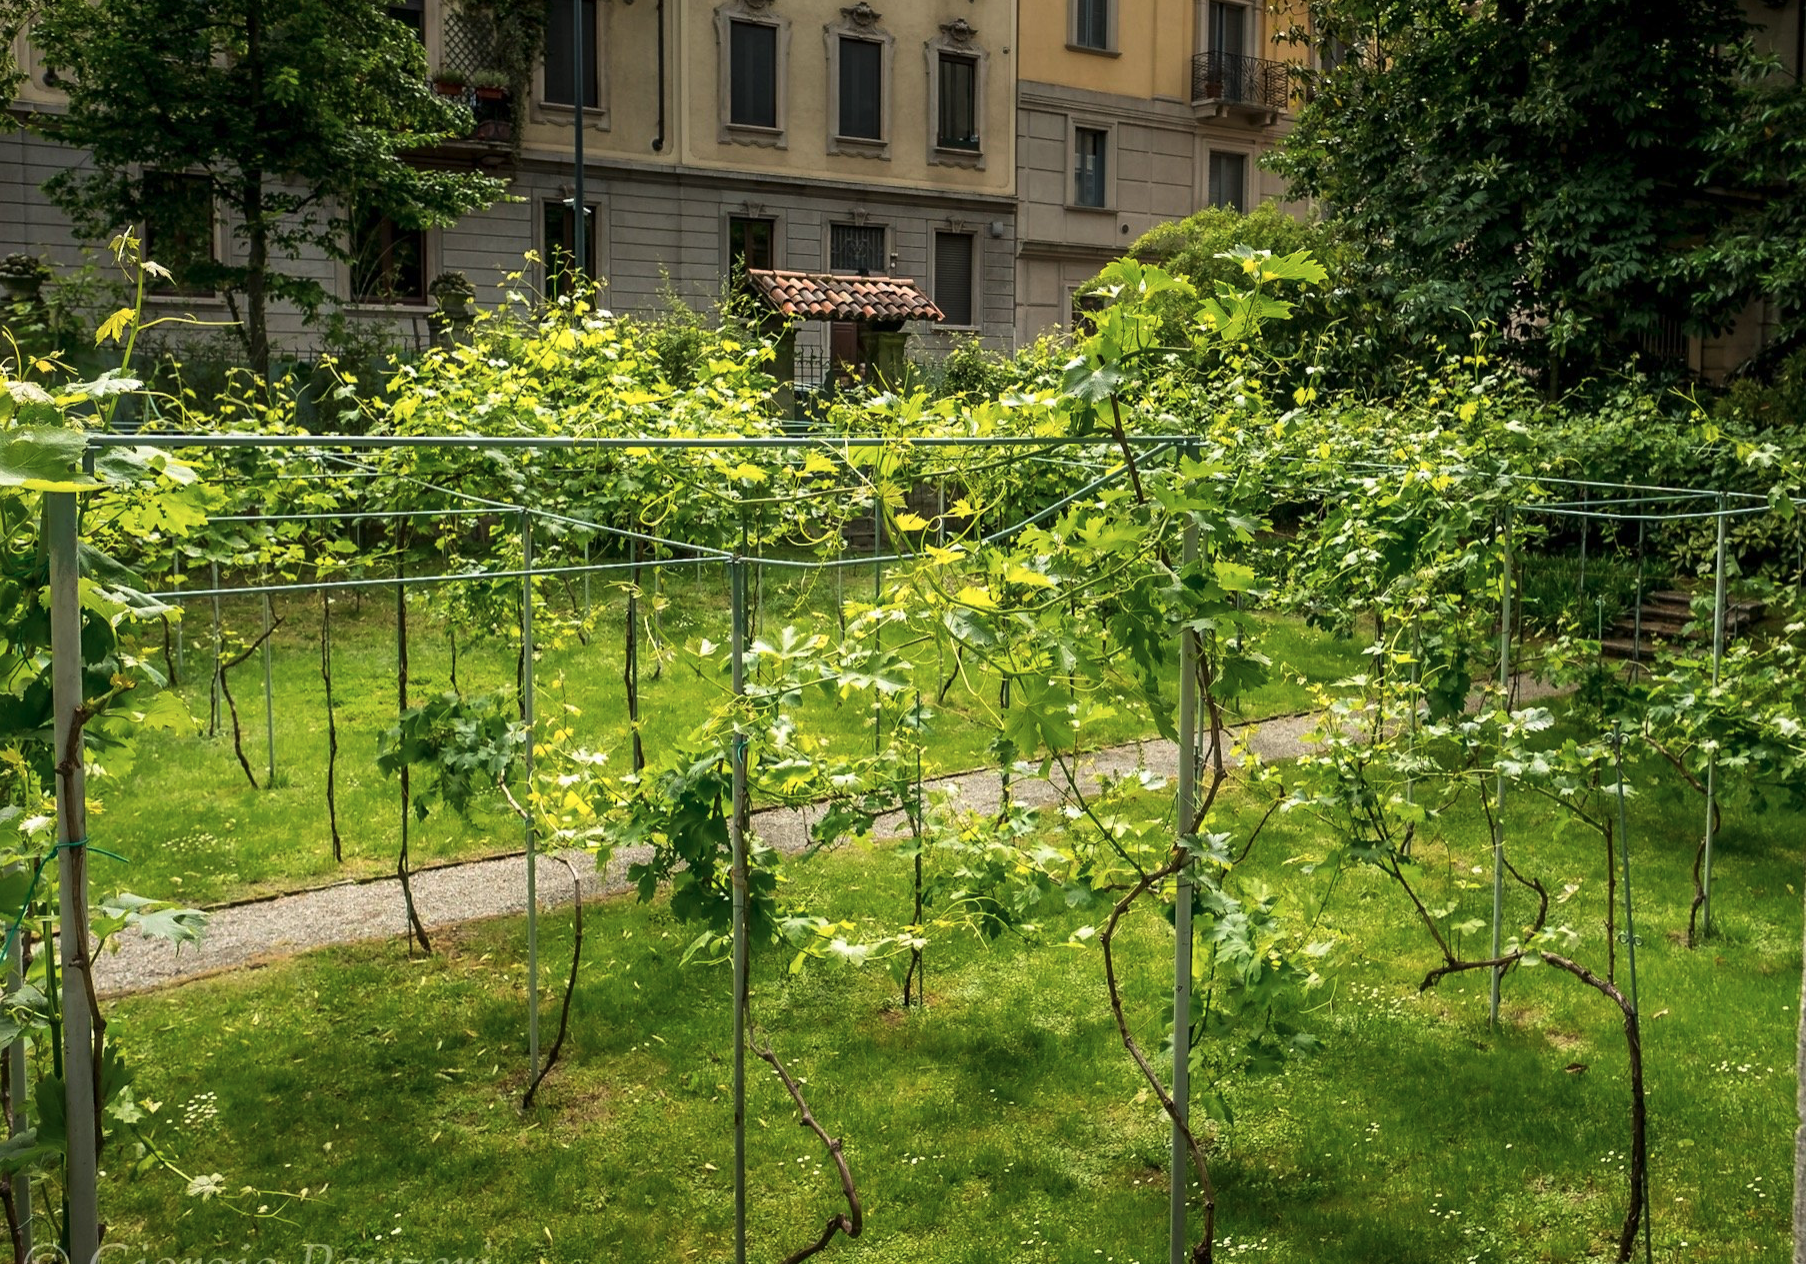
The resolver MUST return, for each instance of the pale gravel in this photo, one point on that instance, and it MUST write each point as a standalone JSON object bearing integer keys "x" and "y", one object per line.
{"x": 251, "y": 934}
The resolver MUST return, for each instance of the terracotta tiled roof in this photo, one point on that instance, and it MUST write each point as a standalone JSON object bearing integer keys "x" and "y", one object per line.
{"x": 820, "y": 296}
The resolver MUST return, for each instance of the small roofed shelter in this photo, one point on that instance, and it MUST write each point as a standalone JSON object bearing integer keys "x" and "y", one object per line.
{"x": 874, "y": 307}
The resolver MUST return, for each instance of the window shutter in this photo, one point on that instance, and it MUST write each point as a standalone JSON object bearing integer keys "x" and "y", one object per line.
{"x": 861, "y": 89}
{"x": 953, "y": 277}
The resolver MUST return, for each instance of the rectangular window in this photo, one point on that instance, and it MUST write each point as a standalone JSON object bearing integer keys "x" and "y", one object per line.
{"x": 953, "y": 276}
{"x": 958, "y": 125}
{"x": 178, "y": 231}
{"x": 561, "y": 60}
{"x": 1090, "y": 146}
{"x": 856, "y": 248}
{"x": 749, "y": 245}
{"x": 1091, "y": 24}
{"x": 861, "y": 89}
{"x": 753, "y": 74}
{"x": 558, "y": 222}
{"x": 388, "y": 262}
{"x": 1228, "y": 28}
{"x": 1229, "y": 181}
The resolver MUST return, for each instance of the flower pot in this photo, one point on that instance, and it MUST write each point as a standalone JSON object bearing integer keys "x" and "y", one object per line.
{"x": 492, "y": 94}
{"x": 448, "y": 87}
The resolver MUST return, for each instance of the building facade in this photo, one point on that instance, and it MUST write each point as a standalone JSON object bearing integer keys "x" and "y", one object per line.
{"x": 805, "y": 134}
{"x": 1133, "y": 112}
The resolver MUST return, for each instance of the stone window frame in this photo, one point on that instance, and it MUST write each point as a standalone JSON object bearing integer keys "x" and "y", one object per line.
{"x": 758, "y": 12}
{"x": 1112, "y": 46}
{"x": 1248, "y": 155}
{"x": 780, "y": 229}
{"x": 958, "y": 38}
{"x": 958, "y": 228}
{"x": 223, "y": 244}
{"x": 1090, "y": 123}
{"x": 597, "y": 117}
{"x": 431, "y": 248}
{"x": 856, "y": 219}
{"x": 861, "y": 22}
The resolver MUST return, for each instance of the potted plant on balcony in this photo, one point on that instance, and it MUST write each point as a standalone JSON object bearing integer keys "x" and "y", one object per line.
{"x": 448, "y": 81}
{"x": 490, "y": 85}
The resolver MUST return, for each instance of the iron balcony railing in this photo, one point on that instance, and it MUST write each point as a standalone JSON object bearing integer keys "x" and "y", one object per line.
{"x": 1237, "y": 80}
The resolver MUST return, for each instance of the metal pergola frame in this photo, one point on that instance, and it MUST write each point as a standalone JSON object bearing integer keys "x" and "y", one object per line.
{"x": 61, "y": 530}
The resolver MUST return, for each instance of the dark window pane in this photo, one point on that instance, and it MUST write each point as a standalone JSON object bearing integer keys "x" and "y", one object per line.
{"x": 862, "y": 89}
{"x": 1229, "y": 181}
{"x": 1092, "y": 25}
{"x": 958, "y": 128}
{"x": 411, "y": 14}
{"x": 753, "y": 74}
{"x": 856, "y": 248}
{"x": 1090, "y": 147}
{"x": 748, "y": 246}
{"x": 388, "y": 262}
{"x": 953, "y": 276}
{"x": 558, "y": 220}
{"x": 561, "y": 58}
{"x": 178, "y": 230}
{"x": 1228, "y": 28}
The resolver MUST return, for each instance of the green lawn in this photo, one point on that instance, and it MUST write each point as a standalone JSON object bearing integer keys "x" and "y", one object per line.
{"x": 195, "y": 830}
{"x": 1004, "y": 1123}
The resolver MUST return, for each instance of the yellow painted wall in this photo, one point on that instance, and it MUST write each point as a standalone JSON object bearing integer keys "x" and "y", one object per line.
{"x": 1155, "y": 41}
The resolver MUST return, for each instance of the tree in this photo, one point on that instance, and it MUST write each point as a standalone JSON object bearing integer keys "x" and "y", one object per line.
{"x": 293, "y": 116}
{"x": 1534, "y": 164}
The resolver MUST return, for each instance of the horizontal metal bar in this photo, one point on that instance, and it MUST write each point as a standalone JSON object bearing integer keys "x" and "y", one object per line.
{"x": 599, "y": 443}
{"x": 422, "y": 581}
{"x": 1745, "y": 511}
{"x": 352, "y": 515}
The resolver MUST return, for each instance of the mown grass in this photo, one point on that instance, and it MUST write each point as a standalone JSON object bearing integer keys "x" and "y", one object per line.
{"x": 195, "y": 830}
{"x": 1004, "y": 1122}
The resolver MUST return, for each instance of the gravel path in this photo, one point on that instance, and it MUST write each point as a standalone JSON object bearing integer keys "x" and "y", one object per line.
{"x": 246, "y": 934}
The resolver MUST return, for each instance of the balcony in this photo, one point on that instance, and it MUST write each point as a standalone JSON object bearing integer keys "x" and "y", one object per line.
{"x": 1230, "y": 84}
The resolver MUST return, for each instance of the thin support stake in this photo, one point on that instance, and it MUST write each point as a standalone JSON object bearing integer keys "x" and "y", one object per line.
{"x": 1498, "y": 828}
{"x": 83, "y": 1227}
{"x": 737, "y": 833}
{"x": 269, "y": 704}
{"x": 526, "y": 716}
{"x": 1186, "y": 806}
{"x": 219, "y": 652}
{"x": 1630, "y": 953}
{"x": 1718, "y": 625}
{"x": 19, "y": 1090}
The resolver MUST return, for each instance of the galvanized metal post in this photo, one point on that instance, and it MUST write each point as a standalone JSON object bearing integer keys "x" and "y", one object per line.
{"x": 1498, "y": 828}
{"x": 736, "y": 569}
{"x": 1186, "y": 805}
{"x": 877, "y": 599}
{"x": 526, "y": 715}
{"x": 1719, "y": 615}
{"x": 1636, "y": 627}
{"x": 579, "y": 213}
{"x": 269, "y": 704}
{"x": 83, "y": 1227}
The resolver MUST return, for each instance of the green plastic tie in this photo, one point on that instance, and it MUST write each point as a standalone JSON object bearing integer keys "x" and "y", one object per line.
{"x": 12, "y": 932}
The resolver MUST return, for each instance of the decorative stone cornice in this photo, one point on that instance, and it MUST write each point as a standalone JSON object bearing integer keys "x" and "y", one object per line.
{"x": 959, "y": 31}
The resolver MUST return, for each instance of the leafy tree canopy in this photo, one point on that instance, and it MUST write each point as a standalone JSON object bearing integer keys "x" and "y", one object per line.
{"x": 295, "y": 115}
{"x": 1538, "y": 165}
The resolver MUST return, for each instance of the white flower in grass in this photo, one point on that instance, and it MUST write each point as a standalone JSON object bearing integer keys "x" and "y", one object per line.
{"x": 205, "y": 1187}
